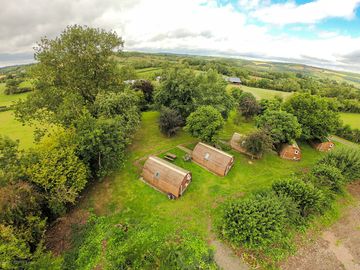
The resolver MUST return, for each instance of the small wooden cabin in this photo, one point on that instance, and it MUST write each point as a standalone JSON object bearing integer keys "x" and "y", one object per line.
{"x": 234, "y": 80}
{"x": 212, "y": 159}
{"x": 322, "y": 145}
{"x": 236, "y": 142}
{"x": 290, "y": 151}
{"x": 166, "y": 177}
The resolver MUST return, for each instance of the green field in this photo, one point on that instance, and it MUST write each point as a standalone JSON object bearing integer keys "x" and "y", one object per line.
{"x": 261, "y": 93}
{"x": 352, "y": 119}
{"x": 15, "y": 130}
{"x": 7, "y": 100}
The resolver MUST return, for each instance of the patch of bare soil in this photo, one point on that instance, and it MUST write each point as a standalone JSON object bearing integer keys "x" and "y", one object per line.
{"x": 338, "y": 247}
{"x": 58, "y": 237}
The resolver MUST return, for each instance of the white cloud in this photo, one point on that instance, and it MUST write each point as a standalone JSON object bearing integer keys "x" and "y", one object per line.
{"x": 184, "y": 26}
{"x": 312, "y": 12}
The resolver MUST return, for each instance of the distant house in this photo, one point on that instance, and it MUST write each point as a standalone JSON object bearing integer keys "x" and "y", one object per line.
{"x": 322, "y": 145}
{"x": 236, "y": 142}
{"x": 166, "y": 177}
{"x": 212, "y": 159}
{"x": 290, "y": 151}
{"x": 234, "y": 80}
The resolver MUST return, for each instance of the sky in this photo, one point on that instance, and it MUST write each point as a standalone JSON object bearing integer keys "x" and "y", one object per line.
{"x": 323, "y": 33}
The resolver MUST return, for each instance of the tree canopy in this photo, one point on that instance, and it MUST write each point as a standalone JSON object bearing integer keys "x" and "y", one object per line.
{"x": 282, "y": 126}
{"x": 317, "y": 116}
{"x": 205, "y": 123}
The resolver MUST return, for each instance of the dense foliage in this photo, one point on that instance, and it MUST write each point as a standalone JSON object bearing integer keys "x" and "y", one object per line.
{"x": 283, "y": 127}
{"x": 205, "y": 123}
{"x": 170, "y": 121}
{"x": 247, "y": 105}
{"x": 317, "y": 116}
{"x": 138, "y": 246}
{"x": 254, "y": 221}
{"x": 258, "y": 142}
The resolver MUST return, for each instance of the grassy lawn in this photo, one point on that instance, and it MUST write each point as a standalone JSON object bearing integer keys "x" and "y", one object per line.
{"x": 352, "y": 119}
{"x": 124, "y": 196}
{"x": 261, "y": 93}
{"x": 7, "y": 100}
{"x": 15, "y": 130}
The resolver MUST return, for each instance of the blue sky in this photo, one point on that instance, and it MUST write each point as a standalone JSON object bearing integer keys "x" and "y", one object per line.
{"x": 323, "y": 33}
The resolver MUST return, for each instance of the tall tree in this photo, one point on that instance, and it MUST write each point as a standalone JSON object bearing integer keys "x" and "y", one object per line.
{"x": 205, "y": 123}
{"x": 317, "y": 116}
{"x": 71, "y": 70}
{"x": 282, "y": 126}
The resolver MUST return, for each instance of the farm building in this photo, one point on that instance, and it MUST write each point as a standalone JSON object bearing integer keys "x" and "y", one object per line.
{"x": 290, "y": 151}
{"x": 213, "y": 159}
{"x": 234, "y": 80}
{"x": 322, "y": 145}
{"x": 236, "y": 142}
{"x": 165, "y": 176}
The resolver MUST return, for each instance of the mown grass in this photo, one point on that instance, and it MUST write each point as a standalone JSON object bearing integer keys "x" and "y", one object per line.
{"x": 7, "y": 100}
{"x": 261, "y": 93}
{"x": 124, "y": 196}
{"x": 352, "y": 119}
{"x": 15, "y": 130}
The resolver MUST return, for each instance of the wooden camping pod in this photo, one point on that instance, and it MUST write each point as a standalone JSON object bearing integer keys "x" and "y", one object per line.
{"x": 322, "y": 146}
{"x": 165, "y": 176}
{"x": 290, "y": 151}
{"x": 212, "y": 159}
{"x": 235, "y": 144}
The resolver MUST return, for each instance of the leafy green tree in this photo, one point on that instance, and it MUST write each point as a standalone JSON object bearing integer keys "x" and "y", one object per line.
{"x": 178, "y": 91}
{"x": 71, "y": 70}
{"x": 236, "y": 93}
{"x": 273, "y": 104}
{"x": 317, "y": 116}
{"x": 147, "y": 89}
{"x": 258, "y": 142}
{"x": 58, "y": 173}
{"x": 205, "y": 123}
{"x": 248, "y": 106}
{"x": 281, "y": 126}
{"x": 101, "y": 143}
{"x": 212, "y": 91}
{"x": 170, "y": 121}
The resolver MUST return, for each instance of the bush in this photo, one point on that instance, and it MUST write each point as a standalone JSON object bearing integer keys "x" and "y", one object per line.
{"x": 328, "y": 177}
{"x": 170, "y": 121}
{"x": 309, "y": 199}
{"x": 255, "y": 221}
{"x": 346, "y": 159}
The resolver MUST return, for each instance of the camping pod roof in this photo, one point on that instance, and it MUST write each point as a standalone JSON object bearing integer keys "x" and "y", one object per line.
{"x": 167, "y": 171}
{"x": 213, "y": 159}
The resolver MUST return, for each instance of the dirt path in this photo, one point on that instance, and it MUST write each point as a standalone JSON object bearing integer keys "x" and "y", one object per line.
{"x": 337, "y": 248}
{"x": 224, "y": 256}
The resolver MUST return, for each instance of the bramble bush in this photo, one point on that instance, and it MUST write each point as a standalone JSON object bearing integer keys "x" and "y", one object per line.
{"x": 346, "y": 159}
{"x": 328, "y": 177}
{"x": 254, "y": 221}
{"x": 309, "y": 199}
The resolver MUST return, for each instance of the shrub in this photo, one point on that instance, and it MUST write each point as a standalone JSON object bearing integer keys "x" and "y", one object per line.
{"x": 247, "y": 105}
{"x": 255, "y": 221}
{"x": 327, "y": 176}
{"x": 346, "y": 159}
{"x": 170, "y": 121}
{"x": 309, "y": 199}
